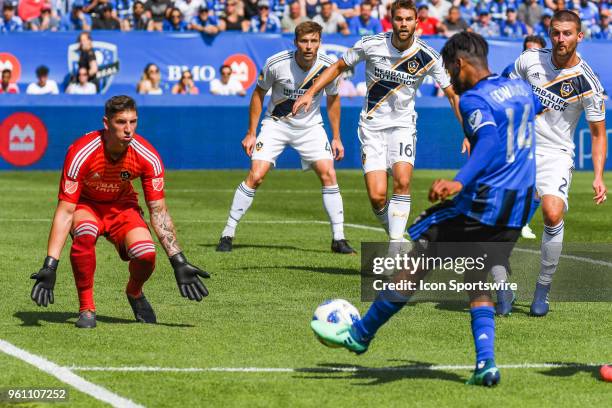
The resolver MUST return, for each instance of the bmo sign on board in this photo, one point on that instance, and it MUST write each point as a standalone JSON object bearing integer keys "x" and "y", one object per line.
{"x": 243, "y": 67}
{"x": 23, "y": 139}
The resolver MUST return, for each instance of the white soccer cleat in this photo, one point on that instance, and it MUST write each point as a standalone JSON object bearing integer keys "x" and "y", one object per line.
{"x": 527, "y": 233}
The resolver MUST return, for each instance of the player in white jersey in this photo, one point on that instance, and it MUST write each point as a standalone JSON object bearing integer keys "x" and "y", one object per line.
{"x": 566, "y": 85}
{"x": 396, "y": 64}
{"x": 289, "y": 74}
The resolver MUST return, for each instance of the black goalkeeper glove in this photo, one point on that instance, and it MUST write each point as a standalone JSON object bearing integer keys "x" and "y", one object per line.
{"x": 42, "y": 292}
{"x": 187, "y": 279}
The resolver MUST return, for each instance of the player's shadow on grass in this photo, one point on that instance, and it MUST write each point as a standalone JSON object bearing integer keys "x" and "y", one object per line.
{"x": 260, "y": 246}
{"x": 33, "y": 319}
{"x": 570, "y": 369}
{"x": 378, "y": 375}
{"x": 332, "y": 270}
{"x": 463, "y": 306}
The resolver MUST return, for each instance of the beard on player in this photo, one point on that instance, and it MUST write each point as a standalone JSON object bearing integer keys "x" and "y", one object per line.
{"x": 404, "y": 25}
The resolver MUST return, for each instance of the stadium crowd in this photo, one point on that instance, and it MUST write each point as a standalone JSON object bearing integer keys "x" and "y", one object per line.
{"x": 490, "y": 18}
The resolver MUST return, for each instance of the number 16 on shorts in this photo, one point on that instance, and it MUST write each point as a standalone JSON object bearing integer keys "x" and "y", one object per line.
{"x": 401, "y": 145}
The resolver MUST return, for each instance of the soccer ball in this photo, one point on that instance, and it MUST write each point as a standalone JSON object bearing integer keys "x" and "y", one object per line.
{"x": 335, "y": 311}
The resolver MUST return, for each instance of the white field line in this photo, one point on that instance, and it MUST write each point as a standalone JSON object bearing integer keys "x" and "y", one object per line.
{"x": 66, "y": 376}
{"x": 323, "y": 369}
{"x": 317, "y": 222}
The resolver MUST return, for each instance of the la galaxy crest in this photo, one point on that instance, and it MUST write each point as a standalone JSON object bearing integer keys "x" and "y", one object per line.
{"x": 566, "y": 89}
{"x": 413, "y": 66}
{"x": 258, "y": 146}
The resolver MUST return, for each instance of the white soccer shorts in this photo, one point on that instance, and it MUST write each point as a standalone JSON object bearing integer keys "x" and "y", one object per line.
{"x": 381, "y": 149}
{"x": 554, "y": 175}
{"x": 311, "y": 143}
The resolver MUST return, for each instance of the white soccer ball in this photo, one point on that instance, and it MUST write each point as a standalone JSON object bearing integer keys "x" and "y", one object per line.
{"x": 337, "y": 311}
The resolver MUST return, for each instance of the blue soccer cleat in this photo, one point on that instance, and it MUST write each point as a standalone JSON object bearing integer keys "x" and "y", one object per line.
{"x": 486, "y": 374}
{"x": 539, "y": 306}
{"x": 339, "y": 335}
{"x": 505, "y": 300}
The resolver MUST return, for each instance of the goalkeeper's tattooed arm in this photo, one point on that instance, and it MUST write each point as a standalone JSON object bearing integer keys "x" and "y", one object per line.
{"x": 163, "y": 226}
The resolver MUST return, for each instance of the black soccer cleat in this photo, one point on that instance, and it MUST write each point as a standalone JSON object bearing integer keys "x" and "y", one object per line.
{"x": 341, "y": 246}
{"x": 225, "y": 244}
{"x": 87, "y": 320}
{"x": 143, "y": 312}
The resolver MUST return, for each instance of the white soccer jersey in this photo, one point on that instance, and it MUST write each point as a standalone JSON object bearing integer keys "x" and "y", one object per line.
{"x": 392, "y": 78}
{"x": 565, "y": 93}
{"x": 288, "y": 82}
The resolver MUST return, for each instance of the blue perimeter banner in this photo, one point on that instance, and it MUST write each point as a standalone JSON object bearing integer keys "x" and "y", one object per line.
{"x": 204, "y": 132}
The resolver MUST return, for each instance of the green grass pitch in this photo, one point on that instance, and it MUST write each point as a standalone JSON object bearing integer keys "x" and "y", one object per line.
{"x": 262, "y": 298}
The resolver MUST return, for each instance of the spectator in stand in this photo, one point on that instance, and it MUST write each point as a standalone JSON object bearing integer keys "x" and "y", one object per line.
{"x": 310, "y": 7}
{"x": 293, "y": 18}
{"x": 96, "y": 8}
{"x": 468, "y": 11}
{"x": 160, "y": 11}
{"x": 453, "y": 23}
{"x": 427, "y": 25}
{"x": 189, "y": 8}
{"x": 44, "y": 85}
{"x": 512, "y": 27}
{"x": 139, "y": 20}
{"x": 87, "y": 56}
{"x": 10, "y": 22}
{"x": 498, "y": 10}
{"x": 249, "y": 9}
{"x": 81, "y": 86}
{"x": 279, "y": 8}
{"x": 227, "y": 85}
{"x": 77, "y": 19}
{"x": 530, "y": 12}
{"x": 543, "y": 27}
{"x": 175, "y": 22}
{"x": 265, "y": 22}
{"x": 331, "y": 20}
{"x": 484, "y": 26}
{"x": 204, "y": 22}
{"x": 603, "y": 30}
{"x": 365, "y": 24}
{"x": 605, "y": 7}
{"x": 6, "y": 86}
{"x": 150, "y": 81}
{"x": 386, "y": 20}
{"x": 232, "y": 20}
{"x": 348, "y": 8}
{"x": 589, "y": 13}
{"x": 125, "y": 10}
{"x": 185, "y": 85}
{"x": 29, "y": 9}
{"x": 438, "y": 9}
{"x": 106, "y": 20}
{"x": 45, "y": 22}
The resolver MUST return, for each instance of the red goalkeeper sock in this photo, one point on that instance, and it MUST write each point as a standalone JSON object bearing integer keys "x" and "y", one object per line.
{"x": 83, "y": 260}
{"x": 142, "y": 264}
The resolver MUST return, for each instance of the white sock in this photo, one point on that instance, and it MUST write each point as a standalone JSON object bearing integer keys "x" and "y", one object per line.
{"x": 243, "y": 198}
{"x": 398, "y": 212}
{"x": 552, "y": 243}
{"x": 382, "y": 217}
{"x": 499, "y": 273}
{"x": 332, "y": 201}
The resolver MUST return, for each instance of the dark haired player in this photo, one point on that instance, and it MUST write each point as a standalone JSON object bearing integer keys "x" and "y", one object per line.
{"x": 397, "y": 62}
{"x": 566, "y": 86}
{"x": 96, "y": 198}
{"x": 494, "y": 195}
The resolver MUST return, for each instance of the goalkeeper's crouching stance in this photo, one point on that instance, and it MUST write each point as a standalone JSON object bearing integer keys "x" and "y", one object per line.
{"x": 96, "y": 198}
{"x": 494, "y": 195}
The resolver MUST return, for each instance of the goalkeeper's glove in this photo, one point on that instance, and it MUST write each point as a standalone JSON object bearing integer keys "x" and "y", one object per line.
{"x": 187, "y": 279}
{"x": 42, "y": 292}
